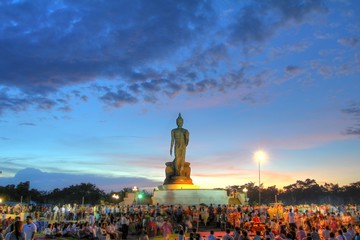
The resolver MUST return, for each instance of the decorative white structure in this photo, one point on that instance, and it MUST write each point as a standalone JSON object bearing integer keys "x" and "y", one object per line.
{"x": 190, "y": 196}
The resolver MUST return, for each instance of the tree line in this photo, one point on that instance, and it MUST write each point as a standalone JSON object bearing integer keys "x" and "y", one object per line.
{"x": 84, "y": 193}
{"x": 300, "y": 192}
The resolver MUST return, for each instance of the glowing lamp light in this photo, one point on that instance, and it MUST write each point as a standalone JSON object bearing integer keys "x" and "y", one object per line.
{"x": 245, "y": 190}
{"x": 115, "y": 196}
{"x": 135, "y": 189}
{"x": 260, "y": 156}
{"x": 140, "y": 196}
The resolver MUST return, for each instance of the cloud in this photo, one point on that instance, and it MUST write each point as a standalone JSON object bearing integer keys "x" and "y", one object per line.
{"x": 348, "y": 42}
{"x": 150, "y": 49}
{"x": 326, "y": 71}
{"x": 11, "y": 100}
{"x": 353, "y": 110}
{"x": 107, "y": 40}
{"x": 65, "y": 109}
{"x": 290, "y": 69}
{"x": 49, "y": 181}
{"x": 11, "y": 165}
{"x": 4, "y": 138}
{"x": 259, "y": 20}
{"x": 11, "y": 103}
{"x": 44, "y": 103}
{"x": 118, "y": 98}
{"x": 354, "y": 130}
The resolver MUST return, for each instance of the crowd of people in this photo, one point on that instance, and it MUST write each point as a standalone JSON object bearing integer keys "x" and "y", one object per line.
{"x": 236, "y": 222}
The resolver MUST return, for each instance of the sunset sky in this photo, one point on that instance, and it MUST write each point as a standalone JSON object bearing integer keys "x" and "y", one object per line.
{"x": 90, "y": 90}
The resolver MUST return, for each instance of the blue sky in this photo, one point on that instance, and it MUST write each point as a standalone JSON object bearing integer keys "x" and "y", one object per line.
{"x": 90, "y": 90}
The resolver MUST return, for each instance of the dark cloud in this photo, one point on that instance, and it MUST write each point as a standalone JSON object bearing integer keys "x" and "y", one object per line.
{"x": 292, "y": 69}
{"x": 354, "y": 111}
{"x": 44, "y": 103}
{"x": 65, "y": 109}
{"x": 118, "y": 98}
{"x": 151, "y": 99}
{"x": 152, "y": 85}
{"x": 13, "y": 103}
{"x": 201, "y": 86}
{"x": 22, "y": 101}
{"x": 349, "y": 42}
{"x": 84, "y": 98}
{"x": 52, "y": 44}
{"x": 354, "y": 130}
{"x": 61, "y": 180}
{"x": 79, "y": 95}
{"x": 249, "y": 99}
{"x": 172, "y": 89}
{"x": 259, "y": 20}
{"x": 148, "y": 48}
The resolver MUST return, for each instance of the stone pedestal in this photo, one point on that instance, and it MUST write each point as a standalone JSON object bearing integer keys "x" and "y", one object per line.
{"x": 178, "y": 186}
{"x": 189, "y": 196}
{"x": 171, "y": 178}
{"x": 181, "y": 190}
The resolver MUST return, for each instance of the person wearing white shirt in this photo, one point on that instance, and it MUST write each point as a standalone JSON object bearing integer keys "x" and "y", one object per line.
{"x": 291, "y": 219}
{"x": 48, "y": 231}
{"x": 56, "y": 211}
{"x": 29, "y": 228}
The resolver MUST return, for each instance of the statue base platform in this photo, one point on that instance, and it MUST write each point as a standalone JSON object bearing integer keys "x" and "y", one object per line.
{"x": 178, "y": 186}
{"x": 178, "y": 180}
{"x": 172, "y": 195}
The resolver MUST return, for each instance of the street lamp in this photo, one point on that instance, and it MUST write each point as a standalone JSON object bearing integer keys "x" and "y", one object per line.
{"x": 115, "y": 196}
{"x": 245, "y": 190}
{"x": 135, "y": 189}
{"x": 140, "y": 196}
{"x": 260, "y": 156}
